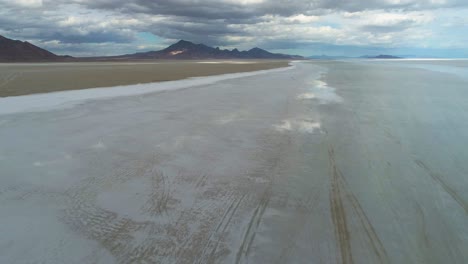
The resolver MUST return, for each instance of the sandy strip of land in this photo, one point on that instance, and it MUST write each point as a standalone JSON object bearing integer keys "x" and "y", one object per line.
{"x": 66, "y": 99}
{"x": 30, "y": 78}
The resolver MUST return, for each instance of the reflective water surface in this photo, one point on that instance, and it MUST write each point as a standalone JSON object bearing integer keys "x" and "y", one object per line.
{"x": 329, "y": 162}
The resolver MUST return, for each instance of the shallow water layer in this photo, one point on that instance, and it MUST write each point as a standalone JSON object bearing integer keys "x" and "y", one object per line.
{"x": 329, "y": 162}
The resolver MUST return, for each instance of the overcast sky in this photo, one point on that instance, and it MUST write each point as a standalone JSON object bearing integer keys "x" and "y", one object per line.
{"x": 306, "y": 27}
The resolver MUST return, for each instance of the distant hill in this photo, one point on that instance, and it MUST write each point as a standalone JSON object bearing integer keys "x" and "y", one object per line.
{"x": 327, "y": 57}
{"x": 382, "y": 56}
{"x": 186, "y": 50}
{"x": 23, "y": 51}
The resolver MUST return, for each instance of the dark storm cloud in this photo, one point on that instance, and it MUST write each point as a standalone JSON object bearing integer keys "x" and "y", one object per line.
{"x": 209, "y": 21}
{"x": 199, "y": 32}
{"x": 184, "y": 8}
{"x": 227, "y": 9}
{"x": 92, "y": 37}
{"x": 387, "y": 28}
{"x": 355, "y": 6}
{"x": 267, "y": 23}
{"x": 46, "y": 25}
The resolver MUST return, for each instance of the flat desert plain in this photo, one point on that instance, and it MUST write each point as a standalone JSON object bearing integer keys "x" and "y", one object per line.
{"x": 334, "y": 162}
{"x": 30, "y": 78}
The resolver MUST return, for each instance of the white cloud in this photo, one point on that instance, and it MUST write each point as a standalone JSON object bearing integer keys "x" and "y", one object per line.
{"x": 301, "y": 18}
{"x": 77, "y": 25}
{"x": 23, "y": 3}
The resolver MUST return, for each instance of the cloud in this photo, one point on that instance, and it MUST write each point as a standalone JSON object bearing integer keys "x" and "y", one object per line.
{"x": 23, "y": 3}
{"x": 212, "y": 9}
{"x": 278, "y": 24}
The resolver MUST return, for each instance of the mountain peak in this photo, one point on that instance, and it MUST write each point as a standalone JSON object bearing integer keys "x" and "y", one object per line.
{"x": 185, "y": 42}
{"x": 381, "y": 56}
{"x": 16, "y": 50}
{"x": 180, "y": 45}
{"x": 184, "y": 49}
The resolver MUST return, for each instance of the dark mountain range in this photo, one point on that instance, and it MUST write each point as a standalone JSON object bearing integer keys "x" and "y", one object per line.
{"x": 23, "y": 51}
{"x": 327, "y": 57}
{"x": 380, "y": 57}
{"x": 19, "y": 51}
{"x": 186, "y": 50}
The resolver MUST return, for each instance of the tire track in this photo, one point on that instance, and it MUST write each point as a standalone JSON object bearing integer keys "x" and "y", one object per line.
{"x": 338, "y": 212}
{"x": 423, "y": 225}
{"x": 272, "y": 155}
{"x": 188, "y": 239}
{"x": 339, "y": 195}
{"x": 218, "y": 234}
{"x": 375, "y": 242}
{"x": 160, "y": 194}
{"x": 438, "y": 179}
{"x": 201, "y": 182}
{"x": 116, "y": 233}
{"x": 107, "y": 228}
{"x": 254, "y": 222}
{"x": 213, "y": 232}
{"x": 8, "y": 78}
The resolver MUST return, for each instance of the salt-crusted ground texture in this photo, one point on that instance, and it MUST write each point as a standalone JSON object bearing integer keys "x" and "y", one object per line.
{"x": 325, "y": 162}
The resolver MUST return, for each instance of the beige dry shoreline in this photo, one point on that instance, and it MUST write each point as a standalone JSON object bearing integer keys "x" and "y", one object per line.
{"x": 31, "y": 78}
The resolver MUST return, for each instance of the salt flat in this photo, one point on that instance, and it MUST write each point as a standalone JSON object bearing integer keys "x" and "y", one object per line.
{"x": 326, "y": 162}
{"x": 32, "y": 78}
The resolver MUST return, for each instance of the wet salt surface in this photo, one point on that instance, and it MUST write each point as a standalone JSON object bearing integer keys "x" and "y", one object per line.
{"x": 327, "y": 162}
{"x": 67, "y": 99}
